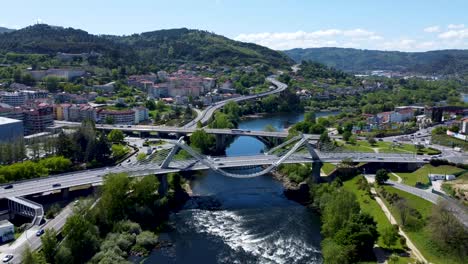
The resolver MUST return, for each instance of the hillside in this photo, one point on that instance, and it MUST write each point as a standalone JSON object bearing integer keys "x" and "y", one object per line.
{"x": 356, "y": 60}
{"x": 5, "y": 30}
{"x": 174, "y": 45}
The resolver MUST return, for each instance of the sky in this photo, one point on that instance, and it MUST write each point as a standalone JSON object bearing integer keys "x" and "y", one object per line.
{"x": 409, "y": 25}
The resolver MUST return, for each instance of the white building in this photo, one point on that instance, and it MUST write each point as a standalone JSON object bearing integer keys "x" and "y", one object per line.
{"x": 7, "y": 231}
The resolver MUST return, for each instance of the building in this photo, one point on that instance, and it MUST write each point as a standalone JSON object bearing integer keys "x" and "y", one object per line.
{"x": 141, "y": 114}
{"x": 14, "y": 98}
{"x": 10, "y": 129}
{"x": 67, "y": 74}
{"x": 38, "y": 118}
{"x": 104, "y": 88}
{"x": 7, "y": 231}
{"x": 464, "y": 126}
{"x": 126, "y": 117}
{"x": 159, "y": 90}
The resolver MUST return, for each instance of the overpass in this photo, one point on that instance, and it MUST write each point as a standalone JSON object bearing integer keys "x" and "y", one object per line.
{"x": 267, "y": 162}
{"x": 205, "y": 116}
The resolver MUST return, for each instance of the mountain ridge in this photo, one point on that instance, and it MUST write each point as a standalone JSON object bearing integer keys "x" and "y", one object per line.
{"x": 145, "y": 48}
{"x": 450, "y": 61}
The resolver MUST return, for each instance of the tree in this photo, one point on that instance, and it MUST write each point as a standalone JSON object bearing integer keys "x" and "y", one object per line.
{"x": 334, "y": 253}
{"x": 381, "y": 176}
{"x": 151, "y": 105}
{"x": 81, "y": 238}
{"x": 371, "y": 141}
{"x": 390, "y": 235}
{"x": 114, "y": 197}
{"x": 447, "y": 232}
{"x": 116, "y": 136}
{"x": 347, "y": 135}
{"x": 338, "y": 211}
{"x": 29, "y": 257}
{"x": 145, "y": 189}
{"x": 309, "y": 117}
{"x": 49, "y": 244}
{"x": 202, "y": 141}
{"x": 52, "y": 83}
{"x": 394, "y": 258}
{"x": 269, "y": 128}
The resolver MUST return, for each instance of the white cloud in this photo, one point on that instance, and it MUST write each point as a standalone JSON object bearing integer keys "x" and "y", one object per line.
{"x": 456, "y": 26}
{"x": 432, "y": 29}
{"x": 454, "y": 34}
{"x": 360, "y": 38}
{"x": 318, "y": 38}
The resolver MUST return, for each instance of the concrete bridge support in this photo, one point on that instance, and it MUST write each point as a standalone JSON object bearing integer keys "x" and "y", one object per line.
{"x": 220, "y": 142}
{"x": 163, "y": 184}
{"x": 65, "y": 193}
{"x": 316, "y": 169}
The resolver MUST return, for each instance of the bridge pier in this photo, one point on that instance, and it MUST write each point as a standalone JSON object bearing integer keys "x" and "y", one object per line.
{"x": 220, "y": 143}
{"x": 163, "y": 184}
{"x": 65, "y": 193}
{"x": 316, "y": 169}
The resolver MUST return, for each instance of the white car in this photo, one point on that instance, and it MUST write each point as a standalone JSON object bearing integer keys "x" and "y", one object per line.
{"x": 7, "y": 258}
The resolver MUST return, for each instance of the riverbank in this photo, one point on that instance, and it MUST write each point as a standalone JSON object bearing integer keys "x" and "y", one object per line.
{"x": 298, "y": 192}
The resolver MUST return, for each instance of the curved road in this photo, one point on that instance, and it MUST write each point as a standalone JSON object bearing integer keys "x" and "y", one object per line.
{"x": 209, "y": 111}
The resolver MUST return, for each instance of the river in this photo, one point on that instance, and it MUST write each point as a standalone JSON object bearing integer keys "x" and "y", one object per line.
{"x": 253, "y": 222}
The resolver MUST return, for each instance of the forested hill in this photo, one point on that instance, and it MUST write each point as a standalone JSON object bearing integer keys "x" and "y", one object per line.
{"x": 174, "y": 45}
{"x": 5, "y": 30}
{"x": 356, "y": 60}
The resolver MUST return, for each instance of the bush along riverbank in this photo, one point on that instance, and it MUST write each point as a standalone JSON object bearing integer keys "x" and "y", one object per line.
{"x": 123, "y": 222}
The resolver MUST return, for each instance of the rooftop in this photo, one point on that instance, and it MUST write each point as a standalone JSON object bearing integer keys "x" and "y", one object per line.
{"x": 5, "y": 120}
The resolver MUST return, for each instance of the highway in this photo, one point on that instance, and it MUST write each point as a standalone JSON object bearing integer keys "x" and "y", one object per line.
{"x": 183, "y": 130}
{"x": 95, "y": 176}
{"x": 29, "y": 238}
{"x": 205, "y": 116}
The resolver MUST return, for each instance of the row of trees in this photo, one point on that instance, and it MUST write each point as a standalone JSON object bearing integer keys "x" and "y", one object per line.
{"x": 30, "y": 169}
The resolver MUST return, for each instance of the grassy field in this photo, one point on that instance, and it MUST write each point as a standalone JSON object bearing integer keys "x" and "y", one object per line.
{"x": 421, "y": 238}
{"x": 420, "y": 175}
{"x": 450, "y": 141}
{"x": 370, "y": 206}
{"x": 328, "y": 168}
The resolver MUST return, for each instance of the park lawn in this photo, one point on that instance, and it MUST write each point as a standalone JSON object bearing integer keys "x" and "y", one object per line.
{"x": 328, "y": 168}
{"x": 422, "y": 237}
{"x": 393, "y": 177}
{"x": 370, "y": 206}
{"x": 420, "y": 175}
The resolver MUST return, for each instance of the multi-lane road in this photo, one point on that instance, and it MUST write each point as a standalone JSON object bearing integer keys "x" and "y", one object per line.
{"x": 95, "y": 176}
{"x": 206, "y": 114}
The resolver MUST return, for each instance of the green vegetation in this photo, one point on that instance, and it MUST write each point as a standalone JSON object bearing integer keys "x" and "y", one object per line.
{"x": 431, "y": 62}
{"x": 449, "y": 141}
{"x": 421, "y": 174}
{"x": 349, "y": 233}
{"x": 434, "y": 231}
{"x": 203, "y": 141}
{"x": 116, "y": 136}
{"x": 381, "y": 176}
{"x": 120, "y": 223}
{"x": 30, "y": 169}
{"x": 119, "y": 150}
{"x": 140, "y": 50}
{"x": 296, "y": 172}
{"x": 327, "y": 168}
{"x": 359, "y": 186}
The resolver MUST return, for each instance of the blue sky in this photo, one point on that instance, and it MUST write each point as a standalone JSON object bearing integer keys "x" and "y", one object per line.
{"x": 410, "y": 25}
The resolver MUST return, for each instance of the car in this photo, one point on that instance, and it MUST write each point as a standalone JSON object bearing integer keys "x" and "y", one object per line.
{"x": 380, "y": 139}
{"x": 425, "y": 159}
{"x": 9, "y": 186}
{"x": 380, "y": 158}
{"x": 220, "y": 164}
{"x": 55, "y": 185}
{"x": 40, "y": 232}
{"x": 7, "y": 258}
{"x": 216, "y": 159}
